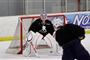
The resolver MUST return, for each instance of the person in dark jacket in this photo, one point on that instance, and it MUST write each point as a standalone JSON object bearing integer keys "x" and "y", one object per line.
{"x": 69, "y": 37}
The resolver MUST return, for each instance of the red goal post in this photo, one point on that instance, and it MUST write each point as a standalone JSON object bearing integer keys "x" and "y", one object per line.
{"x": 34, "y": 17}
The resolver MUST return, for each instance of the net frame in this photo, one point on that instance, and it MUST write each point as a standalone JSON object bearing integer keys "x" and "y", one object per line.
{"x": 21, "y": 18}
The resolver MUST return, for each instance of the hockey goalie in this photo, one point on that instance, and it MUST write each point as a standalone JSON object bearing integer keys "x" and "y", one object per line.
{"x": 40, "y": 36}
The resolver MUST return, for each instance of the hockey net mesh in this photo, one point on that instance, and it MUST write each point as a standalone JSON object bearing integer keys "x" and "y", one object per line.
{"x": 22, "y": 27}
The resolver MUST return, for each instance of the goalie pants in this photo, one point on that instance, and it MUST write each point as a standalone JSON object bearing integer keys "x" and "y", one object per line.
{"x": 75, "y": 50}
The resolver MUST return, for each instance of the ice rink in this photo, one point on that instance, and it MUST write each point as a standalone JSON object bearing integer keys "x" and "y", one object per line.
{"x": 4, "y": 55}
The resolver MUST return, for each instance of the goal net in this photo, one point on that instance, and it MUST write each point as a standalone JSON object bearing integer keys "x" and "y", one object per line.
{"x": 24, "y": 22}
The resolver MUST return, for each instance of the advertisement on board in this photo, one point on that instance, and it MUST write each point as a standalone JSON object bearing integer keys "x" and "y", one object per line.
{"x": 82, "y": 19}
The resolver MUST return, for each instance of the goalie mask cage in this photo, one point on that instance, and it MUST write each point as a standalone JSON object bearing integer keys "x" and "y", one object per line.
{"x": 21, "y": 31}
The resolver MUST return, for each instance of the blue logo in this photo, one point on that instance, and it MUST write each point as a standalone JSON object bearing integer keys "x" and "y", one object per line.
{"x": 83, "y": 21}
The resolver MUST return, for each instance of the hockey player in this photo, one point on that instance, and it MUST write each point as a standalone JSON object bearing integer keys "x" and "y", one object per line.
{"x": 41, "y": 32}
{"x": 69, "y": 37}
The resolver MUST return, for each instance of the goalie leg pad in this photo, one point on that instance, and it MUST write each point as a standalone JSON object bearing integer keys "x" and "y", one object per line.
{"x": 36, "y": 38}
{"x": 51, "y": 42}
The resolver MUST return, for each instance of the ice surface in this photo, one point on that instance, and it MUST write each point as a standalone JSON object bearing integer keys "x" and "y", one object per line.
{"x": 5, "y": 45}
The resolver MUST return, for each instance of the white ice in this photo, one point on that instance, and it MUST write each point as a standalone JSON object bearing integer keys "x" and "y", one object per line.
{"x": 5, "y": 45}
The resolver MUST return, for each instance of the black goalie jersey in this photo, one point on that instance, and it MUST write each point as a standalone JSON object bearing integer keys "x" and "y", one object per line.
{"x": 43, "y": 28}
